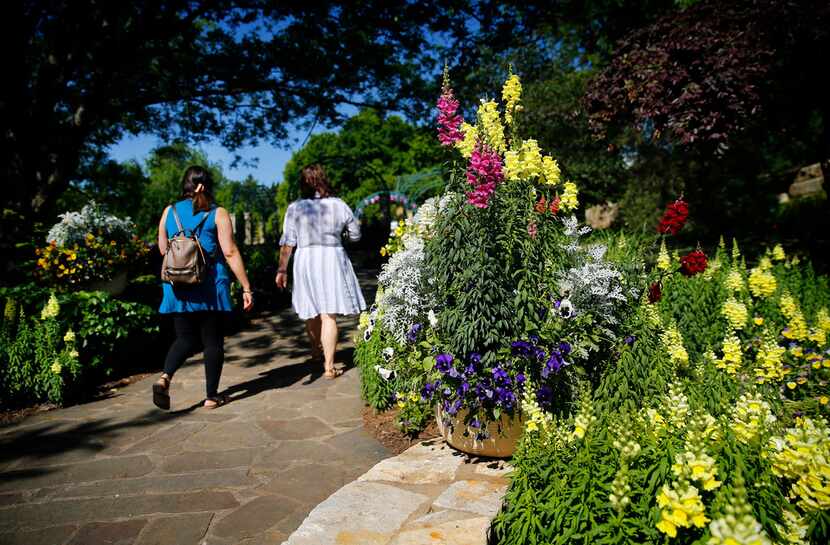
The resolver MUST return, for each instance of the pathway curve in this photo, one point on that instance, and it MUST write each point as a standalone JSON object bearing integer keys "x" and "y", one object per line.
{"x": 120, "y": 471}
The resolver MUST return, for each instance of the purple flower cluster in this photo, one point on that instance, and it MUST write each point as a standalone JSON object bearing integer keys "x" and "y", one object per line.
{"x": 556, "y": 361}
{"x": 412, "y": 336}
{"x": 483, "y": 173}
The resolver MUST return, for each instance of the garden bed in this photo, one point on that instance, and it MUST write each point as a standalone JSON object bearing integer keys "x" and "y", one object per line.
{"x": 382, "y": 426}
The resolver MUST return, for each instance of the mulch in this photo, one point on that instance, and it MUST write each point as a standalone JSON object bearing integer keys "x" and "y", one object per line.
{"x": 381, "y": 425}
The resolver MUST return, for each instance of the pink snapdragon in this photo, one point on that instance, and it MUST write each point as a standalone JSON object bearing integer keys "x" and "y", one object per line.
{"x": 483, "y": 173}
{"x": 449, "y": 121}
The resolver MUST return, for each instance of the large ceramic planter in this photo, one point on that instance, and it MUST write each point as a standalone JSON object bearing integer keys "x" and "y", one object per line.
{"x": 502, "y": 435}
{"x": 115, "y": 286}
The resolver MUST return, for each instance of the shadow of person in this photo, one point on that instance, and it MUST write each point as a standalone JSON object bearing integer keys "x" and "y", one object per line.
{"x": 285, "y": 376}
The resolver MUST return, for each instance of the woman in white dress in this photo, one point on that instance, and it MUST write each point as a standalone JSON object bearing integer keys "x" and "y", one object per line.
{"x": 324, "y": 281}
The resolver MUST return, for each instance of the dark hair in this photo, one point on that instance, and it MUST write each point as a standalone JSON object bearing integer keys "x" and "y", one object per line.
{"x": 314, "y": 182}
{"x": 193, "y": 177}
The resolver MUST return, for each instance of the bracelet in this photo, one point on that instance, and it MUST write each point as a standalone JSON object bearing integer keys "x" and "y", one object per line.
{"x": 282, "y": 271}
{"x": 249, "y": 292}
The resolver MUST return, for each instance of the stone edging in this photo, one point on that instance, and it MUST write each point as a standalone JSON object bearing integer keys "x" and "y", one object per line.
{"x": 428, "y": 494}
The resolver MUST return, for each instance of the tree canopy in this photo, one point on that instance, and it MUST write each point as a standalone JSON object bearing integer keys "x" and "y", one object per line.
{"x": 364, "y": 156}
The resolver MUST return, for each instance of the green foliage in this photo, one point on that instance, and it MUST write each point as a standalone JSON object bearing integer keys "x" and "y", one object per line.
{"x": 51, "y": 357}
{"x": 365, "y": 156}
{"x": 376, "y": 390}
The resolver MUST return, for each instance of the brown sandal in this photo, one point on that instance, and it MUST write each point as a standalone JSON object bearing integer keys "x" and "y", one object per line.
{"x": 332, "y": 373}
{"x": 161, "y": 393}
{"x": 215, "y": 402}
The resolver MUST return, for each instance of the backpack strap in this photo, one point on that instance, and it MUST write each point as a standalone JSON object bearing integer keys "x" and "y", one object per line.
{"x": 178, "y": 219}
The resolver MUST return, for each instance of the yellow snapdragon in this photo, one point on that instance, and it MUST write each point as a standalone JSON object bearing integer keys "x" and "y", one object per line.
{"x": 676, "y": 406}
{"x": 796, "y": 327}
{"x": 735, "y": 313}
{"x": 550, "y": 170}
{"x": 794, "y": 529}
{"x": 663, "y": 259}
{"x": 584, "y": 418}
{"x": 762, "y": 283}
{"x": 750, "y": 416}
{"x": 511, "y": 94}
{"x": 524, "y": 163}
{"x": 569, "y": 200}
{"x": 673, "y": 343}
{"x": 680, "y": 507}
{"x": 802, "y": 455}
{"x": 56, "y": 367}
{"x": 51, "y": 309}
{"x": 778, "y": 253}
{"x": 738, "y": 525}
{"x": 491, "y": 127}
{"x": 467, "y": 144}
{"x": 768, "y": 363}
{"x": 535, "y": 418}
{"x": 823, "y": 320}
{"x": 734, "y": 281}
{"x": 732, "y": 355}
{"x": 620, "y": 489}
{"x": 696, "y": 466}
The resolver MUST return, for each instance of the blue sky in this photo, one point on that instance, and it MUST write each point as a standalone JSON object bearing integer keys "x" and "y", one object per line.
{"x": 269, "y": 160}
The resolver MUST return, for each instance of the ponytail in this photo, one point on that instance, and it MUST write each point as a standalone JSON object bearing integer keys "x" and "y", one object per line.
{"x": 197, "y": 185}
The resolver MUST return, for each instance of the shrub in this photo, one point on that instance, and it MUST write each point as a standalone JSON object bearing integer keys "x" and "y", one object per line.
{"x": 53, "y": 346}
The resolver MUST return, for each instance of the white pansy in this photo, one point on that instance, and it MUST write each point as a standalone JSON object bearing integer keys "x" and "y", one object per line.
{"x": 388, "y": 353}
{"x": 383, "y": 372}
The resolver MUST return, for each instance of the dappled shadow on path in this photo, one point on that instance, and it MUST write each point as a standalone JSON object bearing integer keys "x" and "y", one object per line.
{"x": 287, "y": 375}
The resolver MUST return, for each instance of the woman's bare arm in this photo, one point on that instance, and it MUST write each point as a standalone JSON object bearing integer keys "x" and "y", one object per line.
{"x": 282, "y": 270}
{"x": 162, "y": 240}
{"x": 232, "y": 255}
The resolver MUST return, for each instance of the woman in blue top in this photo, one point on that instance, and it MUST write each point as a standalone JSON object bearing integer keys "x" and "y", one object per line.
{"x": 197, "y": 309}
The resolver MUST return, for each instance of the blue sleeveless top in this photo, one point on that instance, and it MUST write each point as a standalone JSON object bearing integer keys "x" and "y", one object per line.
{"x": 214, "y": 293}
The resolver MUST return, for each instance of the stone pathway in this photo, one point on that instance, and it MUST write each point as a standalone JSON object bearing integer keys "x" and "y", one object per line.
{"x": 430, "y": 494}
{"x": 119, "y": 471}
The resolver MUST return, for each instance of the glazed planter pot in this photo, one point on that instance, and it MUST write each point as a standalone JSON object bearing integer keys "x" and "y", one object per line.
{"x": 115, "y": 286}
{"x": 502, "y": 435}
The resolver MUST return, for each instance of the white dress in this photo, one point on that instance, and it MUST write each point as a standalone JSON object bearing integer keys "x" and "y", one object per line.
{"x": 324, "y": 280}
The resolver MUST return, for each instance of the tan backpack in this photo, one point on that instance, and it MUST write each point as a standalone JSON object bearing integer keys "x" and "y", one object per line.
{"x": 185, "y": 263}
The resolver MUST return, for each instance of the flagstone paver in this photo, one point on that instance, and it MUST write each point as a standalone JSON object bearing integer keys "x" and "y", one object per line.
{"x": 430, "y": 494}
{"x": 120, "y": 471}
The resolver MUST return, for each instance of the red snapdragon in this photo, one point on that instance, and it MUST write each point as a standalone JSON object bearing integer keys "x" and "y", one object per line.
{"x": 693, "y": 263}
{"x": 674, "y": 217}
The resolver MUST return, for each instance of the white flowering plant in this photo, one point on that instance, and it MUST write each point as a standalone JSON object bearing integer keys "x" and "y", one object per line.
{"x": 87, "y": 246}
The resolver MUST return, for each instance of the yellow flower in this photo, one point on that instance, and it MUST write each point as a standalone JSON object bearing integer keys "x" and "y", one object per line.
{"x": 467, "y": 144}
{"x": 550, "y": 170}
{"x": 69, "y": 337}
{"x": 778, "y": 253}
{"x": 51, "y": 309}
{"x": 758, "y": 320}
{"x": 732, "y": 355}
{"x": 735, "y": 313}
{"x": 762, "y": 283}
{"x": 491, "y": 127}
{"x": 524, "y": 164}
{"x": 569, "y": 199}
{"x": 734, "y": 281}
{"x": 768, "y": 364}
{"x": 791, "y": 385}
{"x": 663, "y": 259}
{"x": 750, "y": 417}
{"x": 738, "y": 525}
{"x": 511, "y": 93}
{"x": 56, "y": 368}
{"x": 802, "y": 455}
{"x": 673, "y": 343}
{"x": 823, "y": 400}
{"x": 823, "y": 320}
{"x": 818, "y": 336}
{"x": 681, "y": 507}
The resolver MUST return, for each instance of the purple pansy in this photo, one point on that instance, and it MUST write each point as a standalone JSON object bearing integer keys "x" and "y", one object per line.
{"x": 412, "y": 336}
{"x": 443, "y": 363}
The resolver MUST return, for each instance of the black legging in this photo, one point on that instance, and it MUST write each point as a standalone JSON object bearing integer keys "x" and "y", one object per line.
{"x": 191, "y": 328}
